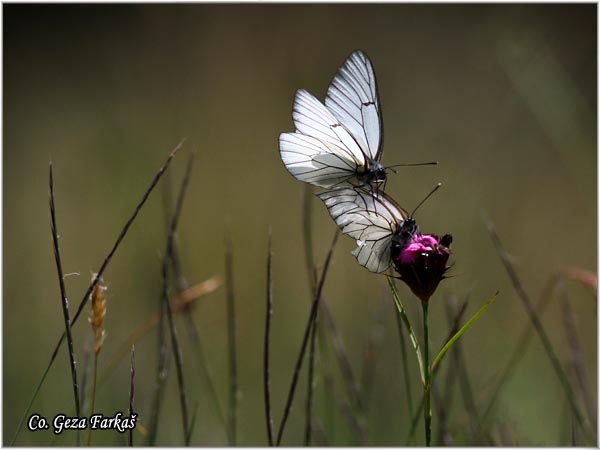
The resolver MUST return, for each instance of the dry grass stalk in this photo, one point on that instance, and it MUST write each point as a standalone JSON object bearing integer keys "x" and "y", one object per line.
{"x": 183, "y": 302}
{"x": 188, "y": 296}
{"x": 101, "y": 270}
{"x": 582, "y": 276}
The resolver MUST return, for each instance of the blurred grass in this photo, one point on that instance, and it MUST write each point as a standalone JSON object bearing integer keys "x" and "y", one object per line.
{"x": 504, "y": 96}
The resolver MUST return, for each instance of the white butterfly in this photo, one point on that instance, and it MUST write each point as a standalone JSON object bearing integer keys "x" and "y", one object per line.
{"x": 374, "y": 219}
{"x": 339, "y": 143}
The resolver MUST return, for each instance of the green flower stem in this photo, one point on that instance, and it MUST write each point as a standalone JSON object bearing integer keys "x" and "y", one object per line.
{"x": 411, "y": 333}
{"x": 460, "y": 332}
{"x": 427, "y": 384}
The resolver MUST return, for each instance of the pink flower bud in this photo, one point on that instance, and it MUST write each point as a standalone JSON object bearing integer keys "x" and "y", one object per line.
{"x": 421, "y": 263}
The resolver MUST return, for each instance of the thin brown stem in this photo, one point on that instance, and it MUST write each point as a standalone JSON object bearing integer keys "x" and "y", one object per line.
{"x": 99, "y": 273}
{"x": 371, "y": 356}
{"x": 441, "y": 411}
{"x": 63, "y": 294}
{"x": 172, "y": 329}
{"x": 311, "y": 318}
{"x": 85, "y": 364}
{"x": 89, "y": 438}
{"x": 519, "y": 349}
{"x": 539, "y": 328}
{"x": 307, "y": 234}
{"x": 343, "y": 360}
{"x": 329, "y": 330}
{"x": 576, "y": 274}
{"x": 232, "y": 344}
{"x": 131, "y": 392}
{"x": 576, "y": 351}
{"x": 267, "y": 342}
{"x": 311, "y": 374}
{"x": 161, "y": 375}
{"x": 183, "y": 303}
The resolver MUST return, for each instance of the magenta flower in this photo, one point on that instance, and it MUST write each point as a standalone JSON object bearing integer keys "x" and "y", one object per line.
{"x": 421, "y": 263}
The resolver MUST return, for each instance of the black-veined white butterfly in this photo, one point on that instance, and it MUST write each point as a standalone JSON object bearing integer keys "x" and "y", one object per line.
{"x": 374, "y": 220}
{"x": 339, "y": 143}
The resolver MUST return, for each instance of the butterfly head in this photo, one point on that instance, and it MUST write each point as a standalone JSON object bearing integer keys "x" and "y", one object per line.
{"x": 377, "y": 173}
{"x": 405, "y": 233}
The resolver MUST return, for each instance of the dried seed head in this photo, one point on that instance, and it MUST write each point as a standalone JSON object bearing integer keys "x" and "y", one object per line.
{"x": 98, "y": 313}
{"x": 190, "y": 295}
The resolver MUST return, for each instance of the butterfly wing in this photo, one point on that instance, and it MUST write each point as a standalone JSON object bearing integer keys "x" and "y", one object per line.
{"x": 353, "y": 99}
{"x": 313, "y": 161}
{"x": 374, "y": 255}
{"x": 321, "y": 151}
{"x": 370, "y": 217}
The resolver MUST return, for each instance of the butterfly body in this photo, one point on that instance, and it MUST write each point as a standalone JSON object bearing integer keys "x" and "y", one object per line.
{"x": 373, "y": 174}
{"x": 405, "y": 233}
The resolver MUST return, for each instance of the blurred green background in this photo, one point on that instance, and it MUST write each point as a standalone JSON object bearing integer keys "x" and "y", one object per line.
{"x": 503, "y": 96}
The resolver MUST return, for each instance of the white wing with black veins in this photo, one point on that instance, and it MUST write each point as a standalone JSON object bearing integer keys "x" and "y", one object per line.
{"x": 371, "y": 218}
{"x": 334, "y": 141}
{"x": 353, "y": 99}
{"x": 321, "y": 151}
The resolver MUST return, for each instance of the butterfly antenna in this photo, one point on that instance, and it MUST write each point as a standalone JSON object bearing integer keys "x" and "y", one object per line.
{"x": 439, "y": 185}
{"x": 432, "y": 163}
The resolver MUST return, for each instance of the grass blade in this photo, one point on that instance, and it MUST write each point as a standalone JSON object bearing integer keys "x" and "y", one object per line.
{"x": 519, "y": 350}
{"x": 371, "y": 354}
{"x": 131, "y": 392}
{"x": 186, "y": 307}
{"x": 307, "y": 235}
{"x": 349, "y": 414}
{"x": 205, "y": 369}
{"x": 194, "y": 419}
{"x": 539, "y": 328}
{"x": 417, "y": 415}
{"x": 85, "y": 364}
{"x": 311, "y": 318}
{"x": 466, "y": 389}
{"x": 266, "y": 364}
{"x": 125, "y": 229}
{"x": 172, "y": 329}
{"x": 343, "y": 360}
{"x": 63, "y": 295}
{"x": 231, "y": 334}
{"x": 341, "y": 356}
{"x": 407, "y": 383}
{"x": 182, "y": 304}
{"x": 444, "y": 398}
{"x": 99, "y": 273}
{"x": 578, "y": 275}
{"x": 441, "y": 413}
{"x": 576, "y": 351}
{"x": 311, "y": 381}
{"x": 462, "y": 330}
{"x": 161, "y": 375}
